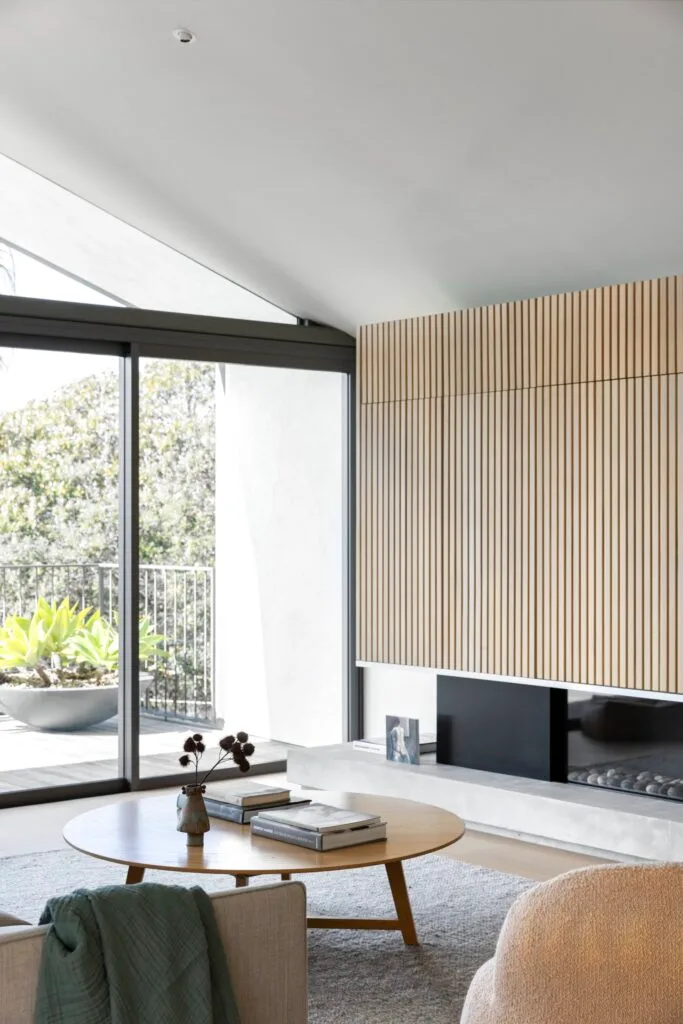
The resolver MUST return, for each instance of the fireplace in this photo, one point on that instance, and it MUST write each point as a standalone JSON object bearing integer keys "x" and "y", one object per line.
{"x": 613, "y": 741}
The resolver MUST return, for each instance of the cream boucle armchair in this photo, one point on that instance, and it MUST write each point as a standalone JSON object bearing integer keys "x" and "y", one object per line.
{"x": 601, "y": 945}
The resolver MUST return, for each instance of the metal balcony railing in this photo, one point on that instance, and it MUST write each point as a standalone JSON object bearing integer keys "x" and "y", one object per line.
{"x": 179, "y": 600}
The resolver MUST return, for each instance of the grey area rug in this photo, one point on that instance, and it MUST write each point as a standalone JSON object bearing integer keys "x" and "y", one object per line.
{"x": 368, "y": 977}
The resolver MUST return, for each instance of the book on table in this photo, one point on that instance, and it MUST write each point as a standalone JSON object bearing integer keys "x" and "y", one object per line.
{"x": 313, "y": 840}
{"x": 239, "y": 803}
{"x": 321, "y": 818}
{"x": 247, "y": 794}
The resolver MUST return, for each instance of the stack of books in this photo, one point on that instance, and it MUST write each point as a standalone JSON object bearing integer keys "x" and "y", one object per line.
{"x": 318, "y": 826}
{"x": 240, "y": 802}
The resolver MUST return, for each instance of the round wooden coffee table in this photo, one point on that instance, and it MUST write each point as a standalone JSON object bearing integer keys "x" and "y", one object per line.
{"x": 142, "y": 834}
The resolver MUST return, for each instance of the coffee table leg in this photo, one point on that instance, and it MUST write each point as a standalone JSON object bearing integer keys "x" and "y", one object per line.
{"x": 399, "y": 891}
{"x": 285, "y": 876}
{"x": 135, "y": 874}
{"x": 241, "y": 881}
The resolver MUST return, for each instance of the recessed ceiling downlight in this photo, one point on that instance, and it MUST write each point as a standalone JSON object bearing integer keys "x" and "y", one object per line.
{"x": 183, "y": 35}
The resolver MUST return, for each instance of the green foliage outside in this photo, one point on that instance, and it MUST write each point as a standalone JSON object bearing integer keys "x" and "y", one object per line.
{"x": 59, "y": 470}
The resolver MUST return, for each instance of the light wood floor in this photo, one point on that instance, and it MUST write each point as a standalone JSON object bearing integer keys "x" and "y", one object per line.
{"x": 514, "y": 857}
{"x": 36, "y": 829}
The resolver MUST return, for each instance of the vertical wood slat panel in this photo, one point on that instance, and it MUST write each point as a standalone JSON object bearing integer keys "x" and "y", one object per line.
{"x": 622, "y": 526}
{"x": 390, "y": 589}
{"x": 469, "y": 532}
{"x": 366, "y": 528}
{"x": 654, "y": 539}
{"x": 457, "y": 467}
{"x": 410, "y": 652}
{"x": 566, "y": 529}
{"x": 488, "y": 654}
{"x": 372, "y": 533}
{"x": 362, "y": 532}
{"x": 398, "y": 497}
{"x": 674, "y": 552}
{"x": 473, "y": 503}
{"x": 461, "y": 526}
{"x": 653, "y": 352}
{"x": 518, "y": 527}
{"x": 615, "y": 592}
{"x": 497, "y": 518}
{"x": 679, "y": 513}
{"x": 380, "y": 540}
{"x": 378, "y": 530}
{"x": 424, "y": 566}
{"x": 647, "y": 491}
{"x": 636, "y": 602}
{"x": 614, "y": 449}
{"x": 600, "y": 334}
{"x": 663, "y": 530}
{"x": 531, "y": 527}
{"x": 598, "y": 528}
{"x": 628, "y": 439}
{"x": 447, "y": 630}
{"x": 507, "y": 453}
{"x": 551, "y": 582}
{"x": 476, "y": 452}
{"x": 415, "y": 497}
{"x": 589, "y": 636}
{"x": 488, "y": 539}
{"x": 434, "y": 554}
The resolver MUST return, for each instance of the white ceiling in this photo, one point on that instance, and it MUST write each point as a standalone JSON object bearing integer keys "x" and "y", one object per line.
{"x": 359, "y": 160}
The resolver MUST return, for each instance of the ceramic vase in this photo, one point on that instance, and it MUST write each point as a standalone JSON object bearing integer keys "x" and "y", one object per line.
{"x": 192, "y": 816}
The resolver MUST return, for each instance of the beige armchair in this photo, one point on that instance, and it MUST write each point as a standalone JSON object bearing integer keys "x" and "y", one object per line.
{"x": 264, "y": 935}
{"x": 601, "y": 945}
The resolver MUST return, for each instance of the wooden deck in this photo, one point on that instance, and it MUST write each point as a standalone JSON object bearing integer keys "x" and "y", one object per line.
{"x": 32, "y": 760}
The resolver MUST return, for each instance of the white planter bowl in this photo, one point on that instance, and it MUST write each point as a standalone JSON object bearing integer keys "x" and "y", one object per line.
{"x": 60, "y": 709}
{"x": 63, "y": 709}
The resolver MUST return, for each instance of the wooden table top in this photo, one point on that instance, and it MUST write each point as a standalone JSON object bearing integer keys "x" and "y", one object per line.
{"x": 143, "y": 833}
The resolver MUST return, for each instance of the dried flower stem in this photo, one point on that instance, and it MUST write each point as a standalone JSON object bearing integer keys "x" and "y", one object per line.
{"x": 237, "y": 749}
{"x": 225, "y": 756}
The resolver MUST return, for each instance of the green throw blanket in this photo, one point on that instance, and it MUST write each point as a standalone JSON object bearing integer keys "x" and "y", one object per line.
{"x": 133, "y": 954}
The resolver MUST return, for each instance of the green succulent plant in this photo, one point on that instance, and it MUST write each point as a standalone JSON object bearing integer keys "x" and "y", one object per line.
{"x": 62, "y": 621}
{"x": 24, "y": 643}
{"x": 57, "y": 635}
{"x": 96, "y": 644}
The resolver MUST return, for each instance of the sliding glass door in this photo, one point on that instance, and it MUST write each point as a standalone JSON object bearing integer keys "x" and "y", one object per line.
{"x": 59, "y": 568}
{"x": 175, "y": 546}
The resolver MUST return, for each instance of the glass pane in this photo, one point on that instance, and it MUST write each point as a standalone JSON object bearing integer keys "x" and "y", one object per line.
{"x": 177, "y": 556}
{"x": 59, "y": 465}
{"x": 241, "y": 556}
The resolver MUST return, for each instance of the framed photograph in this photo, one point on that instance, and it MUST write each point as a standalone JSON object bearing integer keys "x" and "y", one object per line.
{"x": 403, "y": 739}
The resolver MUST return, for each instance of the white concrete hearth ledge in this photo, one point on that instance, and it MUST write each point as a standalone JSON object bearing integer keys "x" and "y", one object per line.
{"x": 585, "y": 818}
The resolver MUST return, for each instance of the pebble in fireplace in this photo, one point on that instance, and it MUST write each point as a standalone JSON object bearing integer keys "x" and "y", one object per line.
{"x": 632, "y": 744}
{"x": 633, "y": 782}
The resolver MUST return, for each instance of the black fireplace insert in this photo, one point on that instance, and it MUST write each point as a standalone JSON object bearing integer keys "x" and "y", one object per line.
{"x": 616, "y": 742}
